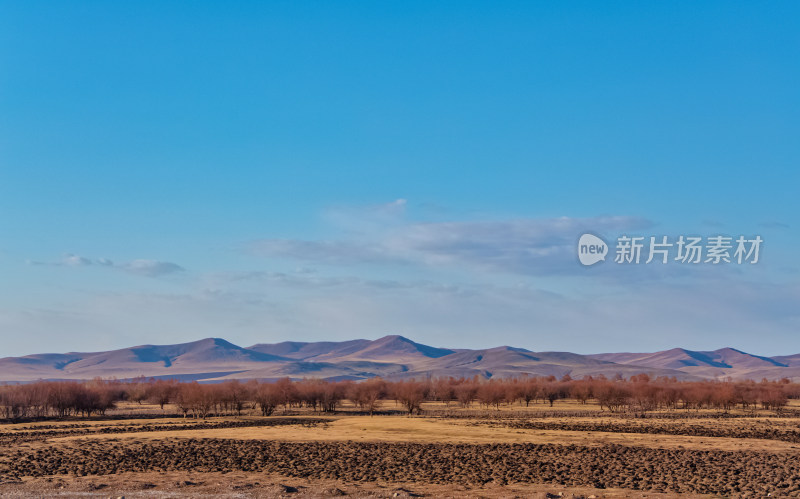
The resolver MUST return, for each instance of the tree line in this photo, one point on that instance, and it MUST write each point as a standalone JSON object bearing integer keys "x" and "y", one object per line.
{"x": 639, "y": 393}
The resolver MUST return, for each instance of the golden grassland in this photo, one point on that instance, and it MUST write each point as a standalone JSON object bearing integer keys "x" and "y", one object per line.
{"x": 401, "y": 428}
{"x": 422, "y": 429}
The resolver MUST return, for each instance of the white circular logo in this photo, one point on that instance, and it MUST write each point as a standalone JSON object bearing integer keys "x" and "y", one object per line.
{"x": 591, "y": 249}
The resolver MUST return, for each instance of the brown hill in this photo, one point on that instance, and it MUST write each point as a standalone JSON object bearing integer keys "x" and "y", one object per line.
{"x": 215, "y": 359}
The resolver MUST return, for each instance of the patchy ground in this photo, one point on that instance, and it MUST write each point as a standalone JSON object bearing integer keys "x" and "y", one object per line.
{"x": 257, "y": 485}
{"x": 485, "y": 454}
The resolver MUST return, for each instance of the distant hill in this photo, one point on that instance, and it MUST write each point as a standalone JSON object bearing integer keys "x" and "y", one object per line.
{"x": 203, "y": 356}
{"x": 215, "y": 359}
{"x": 711, "y": 364}
{"x": 302, "y": 351}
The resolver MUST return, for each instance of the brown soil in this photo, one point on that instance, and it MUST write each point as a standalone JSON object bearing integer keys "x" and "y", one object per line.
{"x": 783, "y": 430}
{"x": 660, "y": 470}
{"x": 491, "y": 454}
{"x": 265, "y": 485}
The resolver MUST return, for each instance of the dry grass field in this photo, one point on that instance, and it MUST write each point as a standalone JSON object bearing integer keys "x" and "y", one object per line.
{"x": 568, "y": 450}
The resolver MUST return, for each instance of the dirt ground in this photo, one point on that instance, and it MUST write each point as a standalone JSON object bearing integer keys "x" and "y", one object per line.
{"x": 537, "y": 452}
{"x": 258, "y": 485}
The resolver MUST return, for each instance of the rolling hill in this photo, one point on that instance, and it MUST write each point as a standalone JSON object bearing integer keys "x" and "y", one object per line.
{"x": 215, "y": 359}
{"x": 711, "y": 364}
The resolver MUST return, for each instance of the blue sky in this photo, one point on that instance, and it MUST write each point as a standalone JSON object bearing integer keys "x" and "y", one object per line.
{"x": 265, "y": 171}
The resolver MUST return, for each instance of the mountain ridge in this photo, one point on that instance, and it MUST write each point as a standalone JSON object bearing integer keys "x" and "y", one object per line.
{"x": 392, "y": 356}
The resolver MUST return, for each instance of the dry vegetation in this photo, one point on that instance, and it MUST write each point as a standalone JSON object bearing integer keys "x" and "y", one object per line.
{"x": 522, "y": 437}
{"x": 639, "y": 394}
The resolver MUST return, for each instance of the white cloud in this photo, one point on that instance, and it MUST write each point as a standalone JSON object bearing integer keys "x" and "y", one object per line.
{"x": 150, "y": 268}
{"x": 526, "y": 246}
{"x": 248, "y": 308}
{"x": 75, "y": 261}
{"x": 449, "y": 283}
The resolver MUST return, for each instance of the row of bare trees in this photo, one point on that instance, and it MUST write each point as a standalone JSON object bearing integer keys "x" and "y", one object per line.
{"x": 639, "y": 393}
{"x": 59, "y": 398}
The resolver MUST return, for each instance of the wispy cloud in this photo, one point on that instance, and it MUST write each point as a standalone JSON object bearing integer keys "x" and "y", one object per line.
{"x": 774, "y": 225}
{"x": 323, "y": 252}
{"x": 253, "y": 307}
{"x": 469, "y": 283}
{"x": 255, "y": 280}
{"x": 150, "y": 268}
{"x": 528, "y": 246}
{"x": 75, "y": 261}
